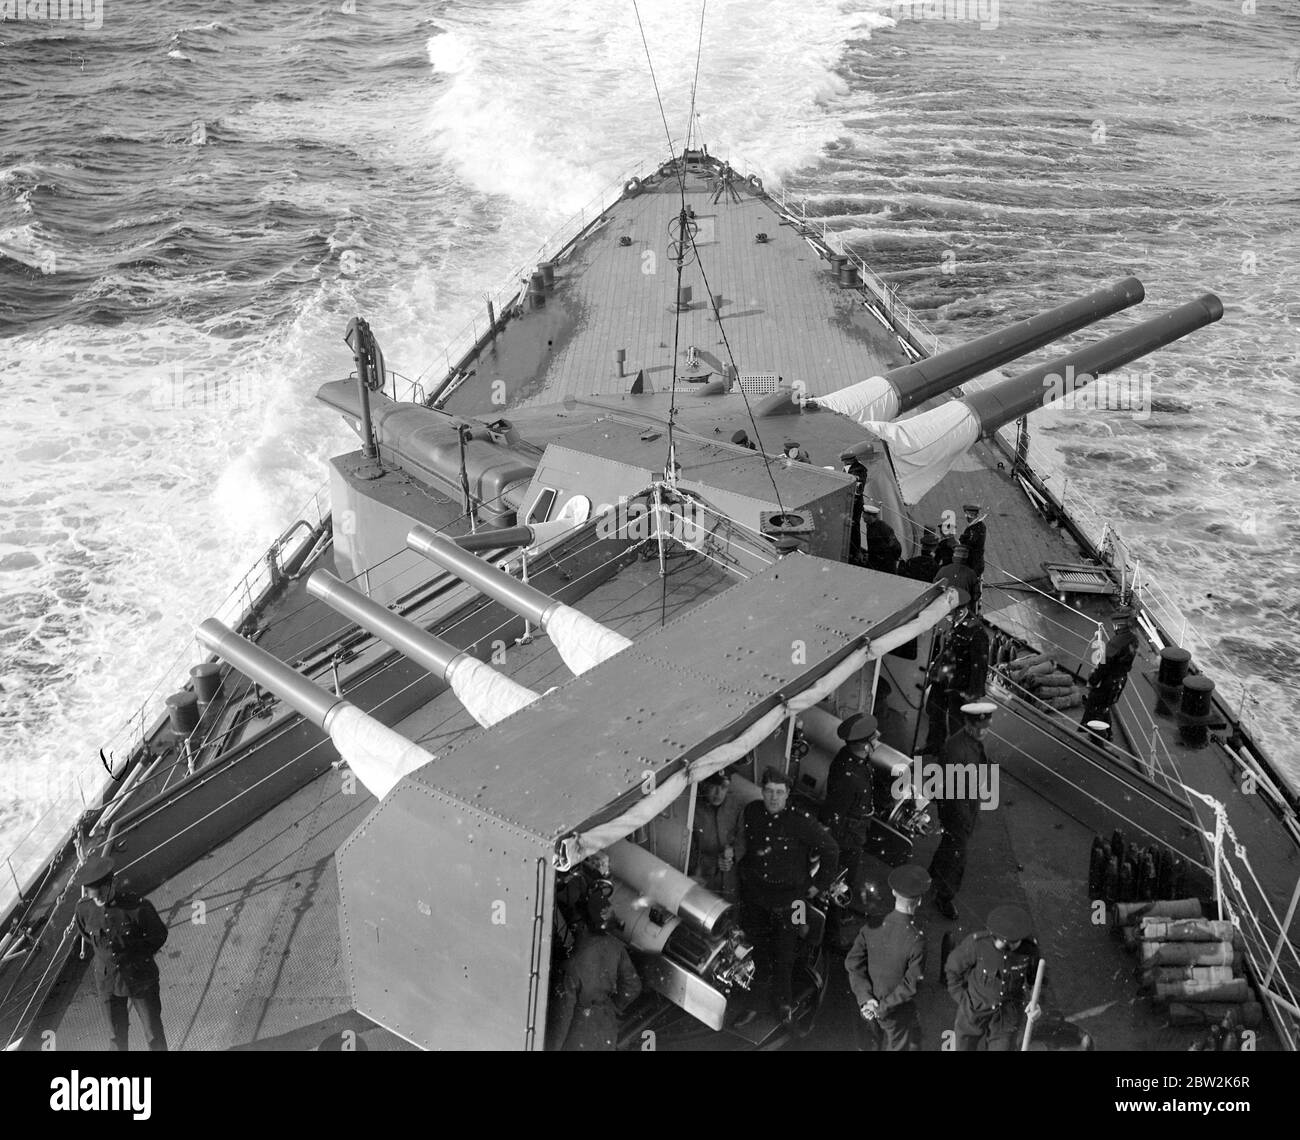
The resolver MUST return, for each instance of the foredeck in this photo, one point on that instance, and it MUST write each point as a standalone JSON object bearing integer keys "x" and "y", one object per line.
{"x": 782, "y": 311}
{"x": 263, "y": 968}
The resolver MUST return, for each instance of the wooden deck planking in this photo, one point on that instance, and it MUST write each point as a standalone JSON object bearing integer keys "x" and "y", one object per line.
{"x": 809, "y": 329}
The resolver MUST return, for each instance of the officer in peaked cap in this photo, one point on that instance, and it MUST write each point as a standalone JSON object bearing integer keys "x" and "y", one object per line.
{"x": 974, "y": 535}
{"x": 741, "y": 439}
{"x": 958, "y": 816}
{"x": 846, "y": 813}
{"x": 991, "y": 976}
{"x": 858, "y": 457}
{"x": 883, "y": 547}
{"x": 125, "y": 932}
{"x": 94, "y": 871}
{"x": 775, "y": 848}
{"x": 885, "y": 968}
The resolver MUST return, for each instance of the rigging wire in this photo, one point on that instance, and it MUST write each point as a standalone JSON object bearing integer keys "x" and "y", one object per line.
{"x": 686, "y": 234}
{"x": 699, "y": 50}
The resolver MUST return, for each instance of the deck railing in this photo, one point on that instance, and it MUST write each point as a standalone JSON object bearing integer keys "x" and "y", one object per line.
{"x": 1171, "y": 622}
{"x": 899, "y": 314}
{"x": 89, "y": 785}
{"x": 510, "y": 292}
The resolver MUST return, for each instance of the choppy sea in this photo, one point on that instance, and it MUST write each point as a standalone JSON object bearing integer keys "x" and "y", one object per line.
{"x": 196, "y": 197}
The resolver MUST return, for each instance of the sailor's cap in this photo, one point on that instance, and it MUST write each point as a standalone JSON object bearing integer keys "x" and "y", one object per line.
{"x": 859, "y": 726}
{"x": 869, "y": 509}
{"x": 961, "y": 549}
{"x": 789, "y": 443}
{"x": 910, "y": 881}
{"x": 93, "y": 871}
{"x": 1097, "y": 725}
{"x": 1011, "y": 923}
{"x": 979, "y": 710}
{"x": 739, "y": 437}
{"x": 859, "y": 454}
{"x": 929, "y": 541}
{"x": 972, "y": 508}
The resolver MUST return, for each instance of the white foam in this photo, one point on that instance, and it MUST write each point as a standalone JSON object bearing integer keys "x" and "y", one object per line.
{"x": 545, "y": 104}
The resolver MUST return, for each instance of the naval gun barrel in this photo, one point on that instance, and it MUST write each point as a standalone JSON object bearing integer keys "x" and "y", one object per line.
{"x": 666, "y": 886}
{"x": 300, "y": 694}
{"x": 488, "y": 696}
{"x": 525, "y": 534}
{"x": 518, "y": 596}
{"x": 924, "y": 448}
{"x": 581, "y": 642}
{"x": 1002, "y": 403}
{"x": 378, "y": 755}
{"x": 918, "y": 382}
{"x": 437, "y": 656}
{"x": 498, "y": 539}
{"x": 903, "y": 388}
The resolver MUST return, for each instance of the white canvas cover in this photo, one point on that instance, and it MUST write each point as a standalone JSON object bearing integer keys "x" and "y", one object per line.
{"x": 581, "y": 642}
{"x": 378, "y": 756}
{"x": 488, "y": 696}
{"x": 870, "y": 399}
{"x": 924, "y": 448}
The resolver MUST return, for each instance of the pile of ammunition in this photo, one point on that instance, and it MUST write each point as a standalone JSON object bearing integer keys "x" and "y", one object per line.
{"x": 1190, "y": 963}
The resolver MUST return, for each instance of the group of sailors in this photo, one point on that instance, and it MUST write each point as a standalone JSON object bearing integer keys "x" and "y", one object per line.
{"x": 760, "y": 854}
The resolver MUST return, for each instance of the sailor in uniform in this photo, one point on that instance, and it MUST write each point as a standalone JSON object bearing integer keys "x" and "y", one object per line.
{"x": 846, "y": 812}
{"x": 717, "y": 820}
{"x": 943, "y": 552}
{"x": 964, "y": 747}
{"x": 600, "y": 982}
{"x": 973, "y": 536}
{"x": 776, "y": 846}
{"x": 883, "y": 548}
{"x": 924, "y": 566}
{"x": 125, "y": 932}
{"x": 885, "y": 968}
{"x": 1107, "y": 680}
{"x": 856, "y": 467}
{"x": 958, "y": 575}
{"x": 989, "y": 976}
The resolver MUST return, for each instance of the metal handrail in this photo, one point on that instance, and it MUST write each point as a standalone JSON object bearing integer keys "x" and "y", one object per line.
{"x": 26, "y": 858}
{"x": 461, "y": 343}
{"x": 1156, "y": 601}
{"x": 896, "y": 310}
